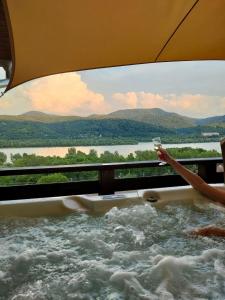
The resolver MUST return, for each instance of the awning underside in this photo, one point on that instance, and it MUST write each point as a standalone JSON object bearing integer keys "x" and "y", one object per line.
{"x": 55, "y": 36}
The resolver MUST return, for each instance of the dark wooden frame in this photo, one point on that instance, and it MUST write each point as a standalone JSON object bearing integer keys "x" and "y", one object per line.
{"x": 106, "y": 183}
{"x": 222, "y": 144}
{"x": 5, "y": 50}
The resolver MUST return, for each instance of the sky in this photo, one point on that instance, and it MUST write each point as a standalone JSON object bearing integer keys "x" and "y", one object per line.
{"x": 194, "y": 89}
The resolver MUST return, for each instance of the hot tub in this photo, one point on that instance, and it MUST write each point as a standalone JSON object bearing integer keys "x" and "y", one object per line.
{"x": 59, "y": 206}
{"x": 139, "y": 251}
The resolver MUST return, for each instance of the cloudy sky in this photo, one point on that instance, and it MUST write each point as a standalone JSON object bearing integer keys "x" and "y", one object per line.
{"x": 195, "y": 89}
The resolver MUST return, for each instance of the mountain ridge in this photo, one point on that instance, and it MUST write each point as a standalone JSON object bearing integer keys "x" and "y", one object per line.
{"x": 122, "y": 127}
{"x": 153, "y": 116}
{"x": 113, "y": 128}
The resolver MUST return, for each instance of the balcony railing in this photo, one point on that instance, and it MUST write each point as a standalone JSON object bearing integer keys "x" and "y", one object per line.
{"x": 107, "y": 183}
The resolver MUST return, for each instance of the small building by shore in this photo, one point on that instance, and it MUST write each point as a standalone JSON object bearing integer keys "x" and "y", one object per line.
{"x": 207, "y": 134}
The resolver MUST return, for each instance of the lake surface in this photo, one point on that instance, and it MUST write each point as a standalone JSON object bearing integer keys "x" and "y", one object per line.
{"x": 122, "y": 149}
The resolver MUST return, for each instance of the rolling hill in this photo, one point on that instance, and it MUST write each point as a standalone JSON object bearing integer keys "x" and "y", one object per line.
{"x": 154, "y": 117}
{"x": 212, "y": 121}
{"x": 37, "y": 116}
{"x": 77, "y": 129}
{"x": 134, "y": 124}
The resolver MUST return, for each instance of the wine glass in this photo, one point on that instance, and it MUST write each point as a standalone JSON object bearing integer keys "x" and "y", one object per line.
{"x": 157, "y": 145}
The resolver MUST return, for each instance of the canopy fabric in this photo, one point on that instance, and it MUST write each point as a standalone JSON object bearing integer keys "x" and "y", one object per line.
{"x": 55, "y": 36}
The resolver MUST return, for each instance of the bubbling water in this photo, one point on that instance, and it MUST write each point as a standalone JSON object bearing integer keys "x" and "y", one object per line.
{"x": 131, "y": 253}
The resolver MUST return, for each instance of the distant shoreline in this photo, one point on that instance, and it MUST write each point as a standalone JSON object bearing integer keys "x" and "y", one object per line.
{"x": 123, "y": 150}
{"x": 73, "y": 144}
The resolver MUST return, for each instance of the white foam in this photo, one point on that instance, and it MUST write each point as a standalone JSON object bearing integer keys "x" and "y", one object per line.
{"x": 131, "y": 253}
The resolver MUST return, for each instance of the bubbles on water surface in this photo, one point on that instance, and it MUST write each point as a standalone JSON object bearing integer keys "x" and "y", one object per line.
{"x": 132, "y": 253}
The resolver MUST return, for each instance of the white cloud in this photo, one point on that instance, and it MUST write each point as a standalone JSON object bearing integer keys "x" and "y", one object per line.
{"x": 68, "y": 94}
{"x": 65, "y": 94}
{"x": 4, "y": 104}
{"x": 15, "y": 102}
{"x": 193, "y": 105}
{"x": 128, "y": 100}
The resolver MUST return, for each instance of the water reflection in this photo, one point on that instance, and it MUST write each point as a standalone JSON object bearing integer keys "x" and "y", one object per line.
{"x": 121, "y": 149}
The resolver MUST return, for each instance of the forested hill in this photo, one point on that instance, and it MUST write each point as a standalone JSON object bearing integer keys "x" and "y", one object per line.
{"x": 154, "y": 117}
{"x": 120, "y": 127}
{"x": 25, "y": 130}
{"x": 212, "y": 121}
{"x": 37, "y": 116}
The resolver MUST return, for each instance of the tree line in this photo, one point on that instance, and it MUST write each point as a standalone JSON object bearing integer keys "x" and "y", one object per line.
{"x": 74, "y": 157}
{"x": 96, "y": 132}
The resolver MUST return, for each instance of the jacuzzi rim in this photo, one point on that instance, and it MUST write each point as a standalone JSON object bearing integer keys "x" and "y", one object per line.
{"x": 92, "y": 203}
{"x": 117, "y": 195}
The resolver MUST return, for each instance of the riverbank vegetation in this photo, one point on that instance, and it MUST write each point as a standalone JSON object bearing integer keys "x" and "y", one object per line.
{"x": 77, "y": 157}
{"x": 101, "y": 141}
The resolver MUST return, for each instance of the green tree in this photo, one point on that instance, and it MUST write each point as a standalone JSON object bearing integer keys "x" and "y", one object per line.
{"x": 52, "y": 178}
{"x": 3, "y": 158}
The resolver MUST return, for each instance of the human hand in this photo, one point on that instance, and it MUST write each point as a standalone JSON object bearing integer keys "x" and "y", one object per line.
{"x": 164, "y": 155}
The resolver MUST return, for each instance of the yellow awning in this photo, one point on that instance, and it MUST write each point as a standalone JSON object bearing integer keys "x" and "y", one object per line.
{"x": 56, "y": 36}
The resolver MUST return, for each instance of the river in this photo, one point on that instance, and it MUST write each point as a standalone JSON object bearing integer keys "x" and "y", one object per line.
{"x": 122, "y": 149}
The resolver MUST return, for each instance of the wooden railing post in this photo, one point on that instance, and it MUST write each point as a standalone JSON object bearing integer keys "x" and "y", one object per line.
{"x": 222, "y": 144}
{"x": 208, "y": 172}
{"x": 107, "y": 181}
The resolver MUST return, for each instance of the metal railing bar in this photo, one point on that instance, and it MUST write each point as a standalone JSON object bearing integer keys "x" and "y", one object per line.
{"x": 99, "y": 167}
{"x": 29, "y": 191}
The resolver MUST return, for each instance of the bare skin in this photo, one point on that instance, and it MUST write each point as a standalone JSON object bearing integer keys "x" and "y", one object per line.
{"x": 208, "y": 231}
{"x": 215, "y": 194}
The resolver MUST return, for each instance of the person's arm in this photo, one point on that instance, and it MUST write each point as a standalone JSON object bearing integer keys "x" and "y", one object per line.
{"x": 208, "y": 231}
{"x": 196, "y": 181}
